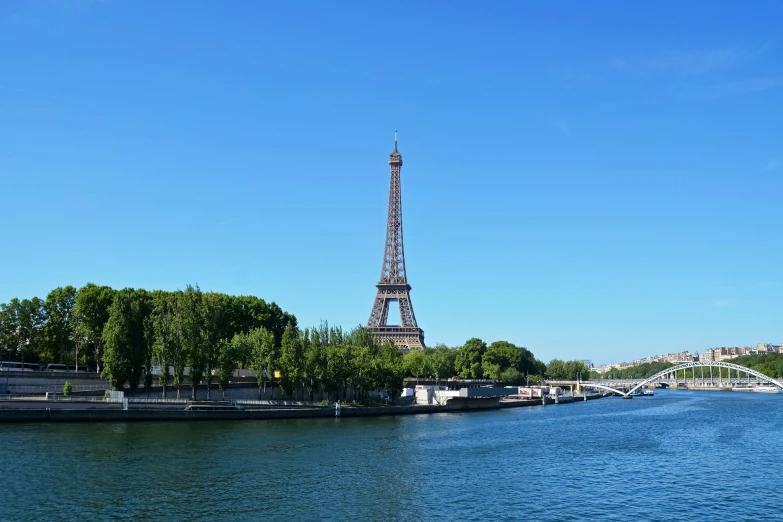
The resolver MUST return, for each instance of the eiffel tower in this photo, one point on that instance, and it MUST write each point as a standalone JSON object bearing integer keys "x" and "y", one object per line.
{"x": 393, "y": 285}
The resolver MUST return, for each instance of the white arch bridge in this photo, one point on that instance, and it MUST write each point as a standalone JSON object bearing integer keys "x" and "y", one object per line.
{"x": 638, "y": 383}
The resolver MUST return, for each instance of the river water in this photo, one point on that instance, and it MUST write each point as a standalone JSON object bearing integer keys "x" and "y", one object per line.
{"x": 679, "y": 455}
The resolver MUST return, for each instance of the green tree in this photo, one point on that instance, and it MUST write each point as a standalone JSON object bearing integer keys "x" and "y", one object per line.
{"x": 9, "y": 327}
{"x": 499, "y": 357}
{"x": 90, "y": 313}
{"x": 32, "y": 320}
{"x": 176, "y": 338}
{"x": 22, "y": 328}
{"x": 215, "y": 329}
{"x": 416, "y": 364}
{"x": 163, "y": 317}
{"x": 264, "y": 353}
{"x": 315, "y": 358}
{"x": 227, "y": 363}
{"x": 577, "y": 370}
{"x": 291, "y": 360}
{"x": 125, "y": 343}
{"x": 390, "y": 369}
{"x": 557, "y": 370}
{"x": 339, "y": 368}
{"x": 362, "y": 362}
{"x": 513, "y": 377}
{"x": 468, "y": 360}
{"x": 442, "y": 361}
{"x": 193, "y": 337}
{"x": 59, "y": 324}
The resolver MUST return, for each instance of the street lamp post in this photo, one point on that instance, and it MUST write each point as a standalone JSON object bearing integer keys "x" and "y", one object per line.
{"x": 7, "y": 371}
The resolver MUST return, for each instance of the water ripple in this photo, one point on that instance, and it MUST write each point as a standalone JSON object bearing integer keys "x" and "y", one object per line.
{"x": 678, "y": 455}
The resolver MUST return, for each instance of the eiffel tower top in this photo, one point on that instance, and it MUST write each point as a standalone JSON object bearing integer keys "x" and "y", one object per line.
{"x": 395, "y": 156}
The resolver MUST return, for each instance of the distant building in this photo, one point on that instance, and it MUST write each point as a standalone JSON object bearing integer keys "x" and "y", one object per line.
{"x": 679, "y": 357}
{"x": 725, "y": 353}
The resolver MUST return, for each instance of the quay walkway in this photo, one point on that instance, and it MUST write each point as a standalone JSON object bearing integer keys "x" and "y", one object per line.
{"x": 93, "y": 409}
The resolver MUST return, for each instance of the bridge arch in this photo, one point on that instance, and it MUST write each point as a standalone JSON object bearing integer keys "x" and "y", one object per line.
{"x": 600, "y": 386}
{"x": 688, "y": 365}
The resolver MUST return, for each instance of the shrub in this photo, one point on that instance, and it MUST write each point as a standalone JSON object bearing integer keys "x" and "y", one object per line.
{"x": 67, "y": 388}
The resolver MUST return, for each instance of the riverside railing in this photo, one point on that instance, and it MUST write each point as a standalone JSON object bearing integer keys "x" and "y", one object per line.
{"x": 143, "y": 400}
{"x": 51, "y": 397}
{"x": 308, "y": 404}
{"x": 26, "y": 388}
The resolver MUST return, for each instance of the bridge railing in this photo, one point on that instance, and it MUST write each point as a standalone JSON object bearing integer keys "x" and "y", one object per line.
{"x": 662, "y": 376}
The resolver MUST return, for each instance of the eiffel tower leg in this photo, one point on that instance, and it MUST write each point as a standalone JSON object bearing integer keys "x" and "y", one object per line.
{"x": 406, "y": 312}
{"x": 380, "y": 310}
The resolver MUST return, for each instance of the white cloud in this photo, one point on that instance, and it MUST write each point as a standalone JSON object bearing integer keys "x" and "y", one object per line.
{"x": 620, "y": 63}
{"x": 560, "y": 124}
{"x": 734, "y": 88}
{"x": 771, "y": 165}
{"x": 698, "y": 61}
{"x": 693, "y": 62}
{"x": 12, "y": 89}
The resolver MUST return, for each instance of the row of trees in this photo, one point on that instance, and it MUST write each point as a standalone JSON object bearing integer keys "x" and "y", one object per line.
{"x": 325, "y": 359}
{"x": 68, "y": 326}
{"x": 770, "y": 364}
{"x": 207, "y": 335}
{"x": 501, "y": 360}
{"x": 39, "y": 330}
{"x": 322, "y": 359}
{"x": 203, "y": 332}
{"x": 641, "y": 371}
{"x": 566, "y": 370}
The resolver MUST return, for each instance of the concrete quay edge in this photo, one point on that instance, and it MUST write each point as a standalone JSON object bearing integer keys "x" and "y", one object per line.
{"x": 11, "y": 415}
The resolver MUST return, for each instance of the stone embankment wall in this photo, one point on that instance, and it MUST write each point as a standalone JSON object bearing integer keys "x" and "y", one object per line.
{"x": 115, "y": 415}
{"x": 47, "y": 411}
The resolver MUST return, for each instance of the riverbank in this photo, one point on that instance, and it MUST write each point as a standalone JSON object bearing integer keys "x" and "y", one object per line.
{"x": 51, "y": 411}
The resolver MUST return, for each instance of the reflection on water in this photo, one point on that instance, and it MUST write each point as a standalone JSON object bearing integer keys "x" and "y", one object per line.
{"x": 651, "y": 458}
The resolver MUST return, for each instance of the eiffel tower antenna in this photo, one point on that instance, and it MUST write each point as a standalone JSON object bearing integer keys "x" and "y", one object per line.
{"x": 393, "y": 285}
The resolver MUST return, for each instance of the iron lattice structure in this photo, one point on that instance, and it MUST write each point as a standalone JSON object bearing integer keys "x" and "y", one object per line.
{"x": 393, "y": 285}
{"x": 685, "y": 366}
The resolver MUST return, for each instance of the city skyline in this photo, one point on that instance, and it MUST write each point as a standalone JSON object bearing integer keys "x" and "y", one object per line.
{"x": 588, "y": 201}
{"x": 709, "y": 354}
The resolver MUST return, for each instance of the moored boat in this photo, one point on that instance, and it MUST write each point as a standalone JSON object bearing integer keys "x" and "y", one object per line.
{"x": 762, "y": 388}
{"x": 766, "y": 388}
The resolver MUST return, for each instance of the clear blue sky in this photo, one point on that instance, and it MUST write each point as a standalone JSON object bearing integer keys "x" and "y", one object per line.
{"x": 589, "y": 180}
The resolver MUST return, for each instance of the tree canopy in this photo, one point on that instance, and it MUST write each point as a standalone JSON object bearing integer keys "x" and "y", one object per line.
{"x": 500, "y": 361}
{"x": 50, "y": 330}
